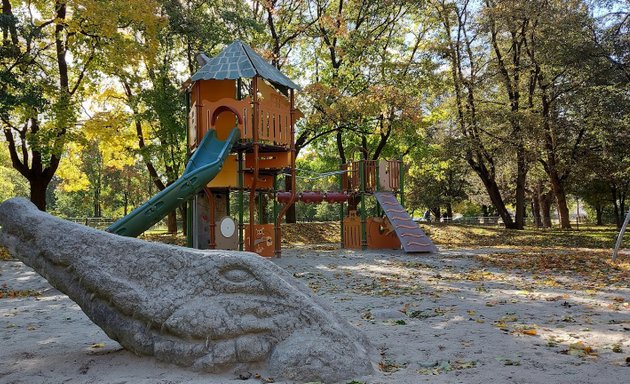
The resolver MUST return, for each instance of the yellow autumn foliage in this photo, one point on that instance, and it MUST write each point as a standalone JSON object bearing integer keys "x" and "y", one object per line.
{"x": 107, "y": 139}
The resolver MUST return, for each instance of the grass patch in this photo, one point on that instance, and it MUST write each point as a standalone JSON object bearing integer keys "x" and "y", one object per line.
{"x": 311, "y": 233}
{"x": 530, "y": 240}
{"x": 479, "y": 236}
{"x": 166, "y": 238}
{"x": 296, "y": 234}
{"x": 584, "y": 268}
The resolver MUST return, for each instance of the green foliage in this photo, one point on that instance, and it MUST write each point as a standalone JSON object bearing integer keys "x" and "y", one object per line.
{"x": 98, "y": 111}
{"x": 12, "y": 183}
{"x": 468, "y": 209}
{"x": 51, "y": 55}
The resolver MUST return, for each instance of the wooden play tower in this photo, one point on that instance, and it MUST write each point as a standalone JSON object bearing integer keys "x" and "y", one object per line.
{"x": 238, "y": 88}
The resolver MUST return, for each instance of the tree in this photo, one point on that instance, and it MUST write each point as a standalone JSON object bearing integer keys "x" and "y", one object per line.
{"x": 42, "y": 87}
{"x": 105, "y": 147}
{"x": 467, "y": 60}
{"x": 606, "y": 161}
{"x": 508, "y": 26}
{"x": 437, "y": 181}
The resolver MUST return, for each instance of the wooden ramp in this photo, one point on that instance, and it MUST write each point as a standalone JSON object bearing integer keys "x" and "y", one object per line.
{"x": 411, "y": 237}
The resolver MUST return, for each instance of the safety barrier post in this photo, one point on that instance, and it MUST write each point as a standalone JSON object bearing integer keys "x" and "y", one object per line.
{"x": 341, "y": 188}
{"x": 241, "y": 226}
{"x": 275, "y": 201}
{"x": 363, "y": 213}
{"x": 189, "y": 223}
{"x": 377, "y": 187}
{"x": 401, "y": 186}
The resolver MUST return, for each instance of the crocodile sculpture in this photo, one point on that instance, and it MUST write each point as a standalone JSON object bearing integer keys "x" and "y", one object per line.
{"x": 209, "y": 310}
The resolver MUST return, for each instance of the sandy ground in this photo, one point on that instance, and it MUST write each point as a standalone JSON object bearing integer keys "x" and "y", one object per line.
{"x": 434, "y": 318}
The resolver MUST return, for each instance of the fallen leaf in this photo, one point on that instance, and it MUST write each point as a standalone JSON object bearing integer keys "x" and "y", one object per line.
{"x": 619, "y": 299}
{"x": 508, "y": 361}
{"x": 389, "y": 366}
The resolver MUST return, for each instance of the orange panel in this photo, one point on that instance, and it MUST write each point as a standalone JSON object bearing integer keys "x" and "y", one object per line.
{"x": 227, "y": 119}
{"x": 210, "y": 91}
{"x": 264, "y": 236}
{"x": 193, "y": 116}
{"x": 224, "y": 124}
{"x": 381, "y": 235}
{"x": 270, "y": 160}
{"x": 228, "y": 176}
{"x": 352, "y": 231}
{"x": 213, "y": 90}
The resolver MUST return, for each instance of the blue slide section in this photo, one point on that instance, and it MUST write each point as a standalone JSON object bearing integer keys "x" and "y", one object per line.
{"x": 202, "y": 167}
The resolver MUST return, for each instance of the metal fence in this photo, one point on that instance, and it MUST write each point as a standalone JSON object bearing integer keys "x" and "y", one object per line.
{"x": 466, "y": 220}
{"x": 94, "y": 222}
{"x": 104, "y": 222}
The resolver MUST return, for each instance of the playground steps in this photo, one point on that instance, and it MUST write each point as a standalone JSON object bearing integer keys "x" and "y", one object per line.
{"x": 411, "y": 237}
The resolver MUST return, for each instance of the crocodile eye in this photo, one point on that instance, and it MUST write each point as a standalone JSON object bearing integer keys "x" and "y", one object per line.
{"x": 237, "y": 275}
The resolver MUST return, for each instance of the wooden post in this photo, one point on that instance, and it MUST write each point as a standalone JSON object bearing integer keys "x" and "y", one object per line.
{"x": 241, "y": 205}
{"x": 212, "y": 218}
{"x": 341, "y": 206}
{"x": 363, "y": 213}
{"x": 401, "y": 183}
{"x": 252, "y": 191}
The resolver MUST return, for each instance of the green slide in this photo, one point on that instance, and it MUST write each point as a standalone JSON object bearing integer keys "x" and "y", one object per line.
{"x": 202, "y": 167}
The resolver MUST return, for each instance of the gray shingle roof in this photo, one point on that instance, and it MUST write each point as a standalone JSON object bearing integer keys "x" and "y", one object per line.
{"x": 239, "y": 60}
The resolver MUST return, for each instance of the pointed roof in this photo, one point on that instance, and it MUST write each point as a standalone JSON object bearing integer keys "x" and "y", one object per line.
{"x": 239, "y": 60}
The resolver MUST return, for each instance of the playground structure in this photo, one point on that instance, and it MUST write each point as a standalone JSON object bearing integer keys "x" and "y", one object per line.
{"x": 390, "y": 226}
{"x": 241, "y": 137}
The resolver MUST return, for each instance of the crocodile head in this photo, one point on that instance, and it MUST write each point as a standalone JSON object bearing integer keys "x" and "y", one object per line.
{"x": 210, "y": 310}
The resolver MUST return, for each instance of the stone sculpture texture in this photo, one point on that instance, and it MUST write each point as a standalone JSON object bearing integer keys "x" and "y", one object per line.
{"x": 209, "y": 310}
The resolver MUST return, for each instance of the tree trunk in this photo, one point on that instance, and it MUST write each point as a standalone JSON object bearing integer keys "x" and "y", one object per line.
{"x": 97, "y": 201}
{"x": 38, "y": 192}
{"x": 599, "y": 214}
{"x": 622, "y": 204}
{"x": 563, "y": 209}
{"x": 263, "y": 211}
{"x": 436, "y": 212}
{"x": 290, "y": 215}
{"x": 536, "y": 209}
{"x": 495, "y": 197}
{"x": 449, "y": 210}
{"x": 183, "y": 210}
{"x": 171, "y": 222}
{"x": 550, "y": 166}
{"x": 545, "y": 209}
{"x": 613, "y": 191}
{"x": 520, "y": 187}
{"x": 618, "y": 200}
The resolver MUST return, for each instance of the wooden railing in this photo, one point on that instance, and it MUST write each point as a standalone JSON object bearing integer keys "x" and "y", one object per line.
{"x": 275, "y": 120}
